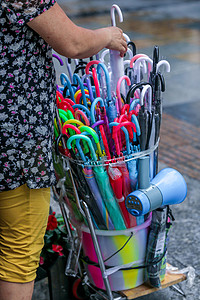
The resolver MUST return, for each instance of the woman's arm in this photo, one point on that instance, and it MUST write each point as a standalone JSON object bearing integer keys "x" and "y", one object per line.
{"x": 73, "y": 41}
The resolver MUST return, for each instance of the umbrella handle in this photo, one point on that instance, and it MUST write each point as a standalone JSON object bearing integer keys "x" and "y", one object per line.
{"x": 63, "y": 114}
{"x": 124, "y": 118}
{"x": 83, "y": 115}
{"x": 89, "y": 64}
{"x": 135, "y": 57}
{"x": 86, "y": 77}
{"x": 126, "y": 109}
{"x": 96, "y": 82}
{"x": 59, "y": 97}
{"x": 112, "y": 14}
{"x": 103, "y": 54}
{"x": 130, "y": 54}
{"x": 82, "y": 107}
{"x": 134, "y": 120}
{"x": 143, "y": 93}
{"x": 132, "y": 90}
{"x": 65, "y": 106}
{"x": 137, "y": 65}
{"x": 93, "y": 133}
{"x": 100, "y": 122}
{"x": 87, "y": 139}
{"x": 101, "y": 65}
{"x": 77, "y": 80}
{"x": 165, "y": 63}
{"x": 73, "y": 121}
{"x": 127, "y": 79}
{"x": 133, "y": 103}
{"x": 92, "y": 109}
{"x": 115, "y": 137}
{"x": 66, "y": 82}
{"x": 69, "y": 101}
{"x": 58, "y": 58}
{"x": 78, "y": 95}
{"x": 66, "y": 126}
{"x": 69, "y": 69}
{"x": 132, "y": 44}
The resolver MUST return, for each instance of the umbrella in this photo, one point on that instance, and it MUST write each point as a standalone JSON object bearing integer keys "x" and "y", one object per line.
{"x": 86, "y": 77}
{"x": 67, "y": 84}
{"x": 116, "y": 61}
{"x": 68, "y": 64}
{"x": 137, "y": 67}
{"x": 119, "y": 82}
{"x": 142, "y": 115}
{"x": 124, "y": 184}
{"x": 105, "y": 189}
{"x": 82, "y": 115}
{"x": 94, "y": 75}
{"x": 77, "y": 80}
{"x": 156, "y": 247}
{"x": 111, "y": 104}
{"x": 159, "y": 87}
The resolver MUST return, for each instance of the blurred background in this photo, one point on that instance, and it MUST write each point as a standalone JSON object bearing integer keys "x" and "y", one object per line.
{"x": 173, "y": 25}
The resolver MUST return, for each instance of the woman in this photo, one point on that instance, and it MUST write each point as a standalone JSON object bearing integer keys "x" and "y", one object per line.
{"x": 29, "y": 31}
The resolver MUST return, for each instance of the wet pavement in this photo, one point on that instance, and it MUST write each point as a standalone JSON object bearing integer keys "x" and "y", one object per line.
{"x": 175, "y": 27}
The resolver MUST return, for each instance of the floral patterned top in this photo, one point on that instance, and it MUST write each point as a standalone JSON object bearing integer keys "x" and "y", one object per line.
{"x": 27, "y": 93}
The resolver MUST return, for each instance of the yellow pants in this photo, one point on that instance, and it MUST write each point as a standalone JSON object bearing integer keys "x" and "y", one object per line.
{"x": 23, "y": 220}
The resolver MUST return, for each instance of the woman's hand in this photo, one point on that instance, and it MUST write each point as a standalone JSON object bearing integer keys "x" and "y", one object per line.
{"x": 117, "y": 40}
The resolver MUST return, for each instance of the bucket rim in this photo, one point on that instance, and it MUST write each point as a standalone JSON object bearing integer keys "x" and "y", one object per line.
{"x": 126, "y": 231}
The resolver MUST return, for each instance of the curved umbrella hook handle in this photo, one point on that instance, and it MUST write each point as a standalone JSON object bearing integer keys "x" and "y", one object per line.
{"x": 102, "y": 65}
{"x": 66, "y": 126}
{"x": 83, "y": 115}
{"x": 93, "y": 133}
{"x": 143, "y": 92}
{"x": 82, "y": 107}
{"x": 92, "y": 109}
{"x": 112, "y": 14}
{"x": 66, "y": 82}
{"x": 135, "y": 57}
{"x": 120, "y": 126}
{"x": 133, "y": 89}
{"x": 125, "y": 77}
{"x": 103, "y": 54}
{"x": 89, "y": 64}
{"x": 87, "y": 139}
{"x": 133, "y": 46}
{"x": 58, "y": 58}
{"x": 73, "y": 121}
{"x": 77, "y": 80}
{"x": 134, "y": 120}
{"x": 165, "y": 63}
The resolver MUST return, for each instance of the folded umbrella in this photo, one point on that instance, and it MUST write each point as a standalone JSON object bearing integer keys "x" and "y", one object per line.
{"x": 105, "y": 189}
{"x": 116, "y": 61}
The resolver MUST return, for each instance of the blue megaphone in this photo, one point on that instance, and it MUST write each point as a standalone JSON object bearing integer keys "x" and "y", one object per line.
{"x": 166, "y": 188}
